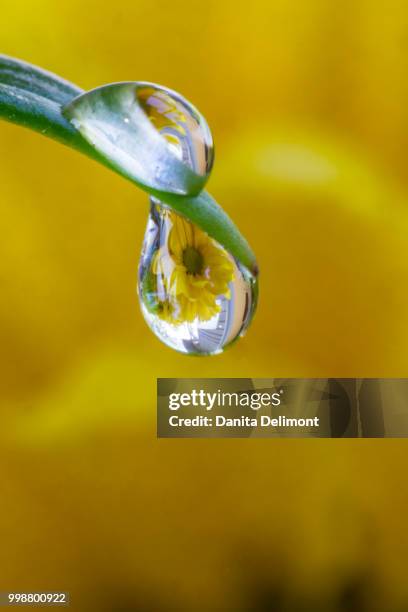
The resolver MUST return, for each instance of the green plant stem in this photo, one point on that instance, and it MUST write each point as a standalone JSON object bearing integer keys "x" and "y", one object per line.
{"x": 33, "y": 98}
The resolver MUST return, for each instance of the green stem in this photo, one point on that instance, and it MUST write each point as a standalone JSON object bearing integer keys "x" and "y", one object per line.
{"x": 33, "y": 98}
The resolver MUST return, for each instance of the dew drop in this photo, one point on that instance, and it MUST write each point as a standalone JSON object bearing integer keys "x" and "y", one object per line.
{"x": 153, "y": 134}
{"x": 194, "y": 295}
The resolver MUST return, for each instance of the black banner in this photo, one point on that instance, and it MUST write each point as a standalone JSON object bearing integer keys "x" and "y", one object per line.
{"x": 282, "y": 408}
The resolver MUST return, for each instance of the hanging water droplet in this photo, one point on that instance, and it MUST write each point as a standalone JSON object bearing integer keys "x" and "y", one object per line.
{"x": 194, "y": 295}
{"x": 151, "y": 133}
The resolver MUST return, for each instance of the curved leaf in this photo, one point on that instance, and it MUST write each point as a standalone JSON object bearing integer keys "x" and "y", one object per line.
{"x": 32, "y": 97}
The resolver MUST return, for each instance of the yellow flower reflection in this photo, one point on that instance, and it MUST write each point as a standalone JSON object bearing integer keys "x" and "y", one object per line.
{"x": 163, "y": 112}
{"x": 191, "y": 272}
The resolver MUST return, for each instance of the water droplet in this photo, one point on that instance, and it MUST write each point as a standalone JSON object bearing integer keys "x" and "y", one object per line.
{"x": 194, "y": 295}
{"x": 153, "y": 134}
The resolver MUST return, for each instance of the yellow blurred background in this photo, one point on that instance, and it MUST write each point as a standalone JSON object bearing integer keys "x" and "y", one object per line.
{"x": 307, "y": 102}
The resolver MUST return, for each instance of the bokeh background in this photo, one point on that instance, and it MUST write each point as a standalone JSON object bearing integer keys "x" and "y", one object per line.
{"x": 308, "y": 103}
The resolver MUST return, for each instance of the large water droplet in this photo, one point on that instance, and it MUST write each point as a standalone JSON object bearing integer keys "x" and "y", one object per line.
{"x": 194, "y": 295}
{"x": 151, "y": 133}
